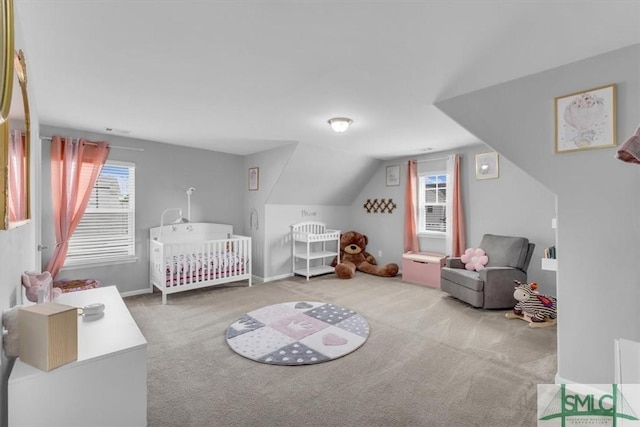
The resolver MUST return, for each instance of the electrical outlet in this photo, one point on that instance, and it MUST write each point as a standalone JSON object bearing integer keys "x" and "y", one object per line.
{"x": 380, "y": 253}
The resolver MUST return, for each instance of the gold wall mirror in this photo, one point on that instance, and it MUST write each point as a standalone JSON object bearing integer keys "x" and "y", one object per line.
{"x": 6, "y": 56}
{"x": 15, "y": 134}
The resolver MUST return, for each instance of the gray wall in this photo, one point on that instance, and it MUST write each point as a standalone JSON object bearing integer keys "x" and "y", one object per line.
{"x": 293, "y": 180}
{"x": 598, "y": 201}
{"x": 513, "y": 204}
{"x": 163, "y": 174}
{"x": 16, "y": 255}
{"x": 271, "y": 163}
{"x": 17, "y": 246}
{"x": 322, "y": 176}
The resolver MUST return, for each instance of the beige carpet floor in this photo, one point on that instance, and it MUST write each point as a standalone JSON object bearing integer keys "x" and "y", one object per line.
{"x": 430, "y": 360}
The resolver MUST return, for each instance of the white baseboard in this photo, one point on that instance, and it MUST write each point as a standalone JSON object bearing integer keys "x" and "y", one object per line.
{"x": 256, "y": 280}
{"x": 137, "y": 292}
{"x": 274, "y": 278}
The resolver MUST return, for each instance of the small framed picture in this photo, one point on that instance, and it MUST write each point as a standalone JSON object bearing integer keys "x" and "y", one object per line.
{"x": 254, "y": 179}
{"x": 487, "y": 165}
{"x": 586, "y": 119}
{"x": 393, "y": 175}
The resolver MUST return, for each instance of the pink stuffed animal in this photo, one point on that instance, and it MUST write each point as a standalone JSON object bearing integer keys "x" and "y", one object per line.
{"x": 38, "y": 286}
{"x": 474, "y": 259}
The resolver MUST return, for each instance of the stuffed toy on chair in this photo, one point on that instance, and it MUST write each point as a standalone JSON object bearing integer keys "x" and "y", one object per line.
{"x": 538, "y": 310}
{"x": 354, "y": 257}
{"x": 38, "y": 286}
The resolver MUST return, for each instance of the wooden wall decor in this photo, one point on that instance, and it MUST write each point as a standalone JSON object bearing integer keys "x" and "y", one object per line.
{"x": 379, "y": 206}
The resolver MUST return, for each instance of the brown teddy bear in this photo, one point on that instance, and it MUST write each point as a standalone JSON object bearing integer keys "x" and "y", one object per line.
{"x": 354, "y": 257}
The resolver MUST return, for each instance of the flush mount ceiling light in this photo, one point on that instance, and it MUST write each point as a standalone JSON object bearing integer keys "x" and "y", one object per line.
{"x": 340, "y": 124}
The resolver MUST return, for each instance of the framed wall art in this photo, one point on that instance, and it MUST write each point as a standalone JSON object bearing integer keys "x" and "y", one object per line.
{"x": 487, "y": 165}
{"x": 393, "y": 175}
{"x": 585, "y": 120}
{"x": 254, "y": 179}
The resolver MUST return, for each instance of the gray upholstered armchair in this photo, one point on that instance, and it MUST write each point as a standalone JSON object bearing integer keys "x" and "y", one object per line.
{"x": 491, "y": 287}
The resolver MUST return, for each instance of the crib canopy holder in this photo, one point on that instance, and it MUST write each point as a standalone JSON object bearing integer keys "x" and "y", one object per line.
{"x": 190, "y": 191}
{"x": 179, "y": 220}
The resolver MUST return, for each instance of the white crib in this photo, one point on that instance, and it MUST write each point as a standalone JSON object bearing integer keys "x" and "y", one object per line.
{"x": 190, "y": 256}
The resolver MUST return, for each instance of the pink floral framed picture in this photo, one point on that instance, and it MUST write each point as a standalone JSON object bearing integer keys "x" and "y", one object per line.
{"x": 585, "y": 120}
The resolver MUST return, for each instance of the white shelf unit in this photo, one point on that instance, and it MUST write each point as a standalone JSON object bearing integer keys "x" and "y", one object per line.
{"x": 313, "y": 247}
{"x": 550, "y": 264}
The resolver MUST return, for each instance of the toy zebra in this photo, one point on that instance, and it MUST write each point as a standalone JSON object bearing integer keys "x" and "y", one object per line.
{"x": 531, "y": 305}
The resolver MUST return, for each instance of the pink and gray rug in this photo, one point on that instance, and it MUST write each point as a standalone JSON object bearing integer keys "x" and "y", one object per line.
{"x": 297, "y": 333}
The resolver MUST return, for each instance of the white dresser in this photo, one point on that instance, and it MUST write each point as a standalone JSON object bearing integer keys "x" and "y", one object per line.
{"x": 106, "y": 386}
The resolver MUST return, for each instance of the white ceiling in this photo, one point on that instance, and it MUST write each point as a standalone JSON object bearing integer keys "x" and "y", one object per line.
{"x": 246, "y": 76}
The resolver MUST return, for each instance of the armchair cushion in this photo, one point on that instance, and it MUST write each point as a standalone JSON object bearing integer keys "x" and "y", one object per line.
{"x": 467, "y": 278}
{"x": 505, "y": 251}
{"x": 454, "y": 262}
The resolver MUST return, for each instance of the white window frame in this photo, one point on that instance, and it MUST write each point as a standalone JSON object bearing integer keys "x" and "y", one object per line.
{"x": 422, "y": 204}
{"x": 98, "y": 256}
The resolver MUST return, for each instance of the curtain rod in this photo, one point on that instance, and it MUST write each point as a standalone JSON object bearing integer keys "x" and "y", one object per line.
{"x": 432, "y": 160}
{"x": 48, "y": 138}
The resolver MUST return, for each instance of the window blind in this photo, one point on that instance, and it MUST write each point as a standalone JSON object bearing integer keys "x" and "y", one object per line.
{"x": 106, "y": 231}
{"x": 433, "y": 202}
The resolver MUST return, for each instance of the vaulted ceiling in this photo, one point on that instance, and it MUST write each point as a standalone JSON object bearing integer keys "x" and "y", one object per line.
{"x": 245, "y": 76}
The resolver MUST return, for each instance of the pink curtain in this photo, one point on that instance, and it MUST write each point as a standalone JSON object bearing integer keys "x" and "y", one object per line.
{"x": 459, "y": 245}
{"x": 410, "y": 200}
{"x": 75, "y": 167}
{"x": 17, "y": 174}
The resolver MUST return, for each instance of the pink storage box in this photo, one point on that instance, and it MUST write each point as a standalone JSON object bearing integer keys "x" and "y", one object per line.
{"x": 422, "y": 268}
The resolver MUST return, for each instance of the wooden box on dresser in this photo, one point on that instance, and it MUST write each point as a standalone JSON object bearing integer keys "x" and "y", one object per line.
{"x": 105, "y": 386}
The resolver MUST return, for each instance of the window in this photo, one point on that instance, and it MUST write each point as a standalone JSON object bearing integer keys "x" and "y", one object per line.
{"x": 106, "y": 232}
{"x": 432, "y": 203}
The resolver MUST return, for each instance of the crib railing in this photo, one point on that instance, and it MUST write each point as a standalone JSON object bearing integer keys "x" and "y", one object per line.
{"x": 312, "y": 231}
{"x": 190, "y": 265}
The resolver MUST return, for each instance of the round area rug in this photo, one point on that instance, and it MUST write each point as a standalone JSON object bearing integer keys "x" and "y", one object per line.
{"x": 297, "y": 333}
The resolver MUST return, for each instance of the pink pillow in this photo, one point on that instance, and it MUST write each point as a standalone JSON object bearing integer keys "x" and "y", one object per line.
{"x": 474, "y": 259}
